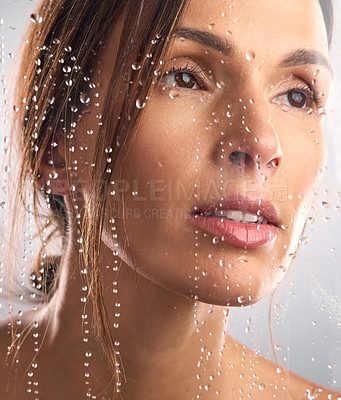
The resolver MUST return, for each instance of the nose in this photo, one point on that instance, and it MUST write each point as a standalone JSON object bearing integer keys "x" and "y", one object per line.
{"x": 251, "y": 141}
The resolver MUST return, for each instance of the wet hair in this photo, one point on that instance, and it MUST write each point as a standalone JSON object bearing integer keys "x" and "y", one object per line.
{"x": 55, "y": 74}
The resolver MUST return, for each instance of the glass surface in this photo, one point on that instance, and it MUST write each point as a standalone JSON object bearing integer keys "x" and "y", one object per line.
{"x": 300, "y": 324}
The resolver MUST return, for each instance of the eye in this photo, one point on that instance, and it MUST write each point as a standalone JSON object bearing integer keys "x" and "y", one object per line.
{"x": 181, "y": 79}
{"x": 299, "y": 97}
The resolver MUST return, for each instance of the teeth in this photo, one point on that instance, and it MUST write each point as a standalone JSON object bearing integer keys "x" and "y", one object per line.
{"x": 238, "y": 216}
{"x": 248, "y": 217}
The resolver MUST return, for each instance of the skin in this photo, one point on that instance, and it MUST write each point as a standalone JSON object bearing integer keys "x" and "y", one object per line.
{"x": 171, "y": 345}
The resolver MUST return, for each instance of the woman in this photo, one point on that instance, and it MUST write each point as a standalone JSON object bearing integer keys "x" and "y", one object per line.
{"x": 166, "y": 142}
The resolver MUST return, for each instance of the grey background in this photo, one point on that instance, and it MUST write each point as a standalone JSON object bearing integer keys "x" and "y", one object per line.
{"x": 306, "y": 310}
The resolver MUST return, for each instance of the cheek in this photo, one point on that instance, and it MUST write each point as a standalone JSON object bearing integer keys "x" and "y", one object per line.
{"x": 304, "y": 154}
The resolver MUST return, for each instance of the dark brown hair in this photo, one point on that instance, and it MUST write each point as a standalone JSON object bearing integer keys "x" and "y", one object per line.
{"x": 55, "y": 72}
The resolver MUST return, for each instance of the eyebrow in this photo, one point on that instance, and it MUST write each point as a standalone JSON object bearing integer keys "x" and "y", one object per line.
{"x": 205, "y": 38}
{"x": 295, "y": 58}
{"x": 304, "y": 57}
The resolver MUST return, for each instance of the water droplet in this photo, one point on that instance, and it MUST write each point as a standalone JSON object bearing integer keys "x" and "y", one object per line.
{"x": 311, "y": 220}
{"x": 282, "y": 269}
{"x": 74, "y": 109}
{"x": 173, "y": 94}
{"x": 66, "y": 69}
{"x": 220, "y": 84}
{"x": 211, "y": 26}
{"x": 215, "y": 240}
{"x": 140, "y": 104}
{"x": 36, "y": 18}
{"x": 311, "y": 394}
{"x": 325, "y": 204}
{"x": 84, "y": 98}
{"x": 303, "y": 240}
{"x": 261, "y": 386}
{"x": 241, "y": 299}
{"x": 135, "y": 67}
{"x": 2, "y": 21}
{"x": 250, "y": 55}
{"x": 68, "y": 49}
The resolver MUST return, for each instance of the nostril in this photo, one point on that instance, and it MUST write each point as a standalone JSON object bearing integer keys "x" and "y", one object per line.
{"x": 240, "y": 158}
{"x": 273, "y": 163}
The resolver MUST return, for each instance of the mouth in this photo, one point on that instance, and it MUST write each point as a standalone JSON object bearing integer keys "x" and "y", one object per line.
{"x": 239, "y": 221}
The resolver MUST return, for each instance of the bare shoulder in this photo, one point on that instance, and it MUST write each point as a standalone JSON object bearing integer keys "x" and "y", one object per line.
{"x": 263, "y": 379}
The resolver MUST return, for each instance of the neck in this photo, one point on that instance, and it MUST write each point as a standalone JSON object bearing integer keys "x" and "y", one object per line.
{"x": 161, "y": 336}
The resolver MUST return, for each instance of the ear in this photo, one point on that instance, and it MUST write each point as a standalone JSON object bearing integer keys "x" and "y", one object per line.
{"x": 53, "y": 170}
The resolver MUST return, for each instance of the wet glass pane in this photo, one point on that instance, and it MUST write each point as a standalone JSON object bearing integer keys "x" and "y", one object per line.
{"x": 170, "y": 199}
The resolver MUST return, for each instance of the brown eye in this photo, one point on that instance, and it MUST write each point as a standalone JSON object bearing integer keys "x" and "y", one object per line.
{"x": 183, "y": 79}
{"x": 180, "y": 79}
{"x": 297, "y": 99}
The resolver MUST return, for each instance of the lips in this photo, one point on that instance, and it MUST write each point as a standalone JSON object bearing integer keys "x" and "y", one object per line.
{"x": 239, "y": 221}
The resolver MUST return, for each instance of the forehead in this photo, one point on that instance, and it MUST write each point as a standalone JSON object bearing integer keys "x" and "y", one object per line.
{"x": 265, "y": 26}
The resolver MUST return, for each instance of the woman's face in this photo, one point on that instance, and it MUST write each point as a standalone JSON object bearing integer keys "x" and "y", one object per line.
{"x": 221, "y": 169}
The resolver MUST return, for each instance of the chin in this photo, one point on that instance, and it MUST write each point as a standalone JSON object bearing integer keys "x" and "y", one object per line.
{"x": 230, "y": 294}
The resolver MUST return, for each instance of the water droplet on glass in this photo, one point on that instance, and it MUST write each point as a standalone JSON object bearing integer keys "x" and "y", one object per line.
{"x": 220, "y": 84}
{"x": 135, "y": 67}
{"x": 311, "y": 220}
{"x": 325, "y": 204}
{"x": 303, "y": 240}
{"x": 261, "y": 386}
{"x": 282, "y": 269}
{"x": 2, "y": 21}
{"x": 241, "y": 299}
{"x": 140, "y": 104}
{"x": 215, "y": 240}
{"x": 66, "y": 69}
{"x": 84, "y": 98}
{"x": 173, "y": 94}
{"x": 250, "y": 55}
{"x": 36, "y": 18}
{"x": 211, "y": 26}
{"x": 74, "y": 109}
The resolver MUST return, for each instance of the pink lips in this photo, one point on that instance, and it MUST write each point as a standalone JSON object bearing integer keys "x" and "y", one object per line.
{"x": 239, "y": 234}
